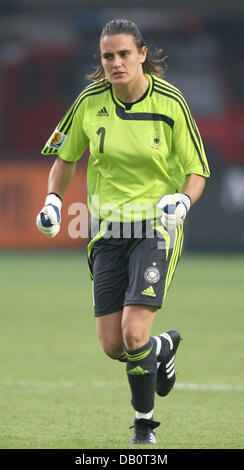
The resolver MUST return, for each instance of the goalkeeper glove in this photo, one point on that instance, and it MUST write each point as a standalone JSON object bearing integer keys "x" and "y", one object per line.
{"x": 49, "y": 218}
{"x": 174, "y": 208}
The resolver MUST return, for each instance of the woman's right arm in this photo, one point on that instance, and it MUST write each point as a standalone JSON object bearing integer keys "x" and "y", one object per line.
{"x": 60, "y": 176}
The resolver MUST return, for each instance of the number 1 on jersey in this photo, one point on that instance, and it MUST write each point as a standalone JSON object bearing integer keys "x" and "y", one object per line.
{"x": 101, "y": 131}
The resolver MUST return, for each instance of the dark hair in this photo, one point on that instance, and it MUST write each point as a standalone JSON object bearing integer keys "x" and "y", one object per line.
{"x": 154, "y": 64}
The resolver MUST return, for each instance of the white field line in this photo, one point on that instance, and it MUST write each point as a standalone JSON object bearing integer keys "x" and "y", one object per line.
{"x": 37, "y": 383}
{"x": 210, "y": 387}
{"x": 71, "y": 384}
{"x": 186, "y": 386}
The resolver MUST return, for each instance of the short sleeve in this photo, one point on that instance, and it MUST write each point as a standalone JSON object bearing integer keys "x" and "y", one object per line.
{"x": 69, "y": 140}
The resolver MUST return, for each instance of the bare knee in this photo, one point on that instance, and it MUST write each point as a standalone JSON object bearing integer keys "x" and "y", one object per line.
{"x": 111, "y": 349}
{"x": 133, "y": 337}
{"x": 110, "y": 334}
{"x": 136, "y": 325}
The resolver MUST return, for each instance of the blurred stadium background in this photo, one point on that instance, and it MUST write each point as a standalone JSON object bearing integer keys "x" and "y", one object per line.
{"x": 46, "y": 50}
{"x": 53, "y": 374}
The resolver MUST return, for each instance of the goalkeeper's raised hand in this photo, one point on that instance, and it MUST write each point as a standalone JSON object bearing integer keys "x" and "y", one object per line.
{"x": 174, "y": 208}
{"x": 49, "y": 218}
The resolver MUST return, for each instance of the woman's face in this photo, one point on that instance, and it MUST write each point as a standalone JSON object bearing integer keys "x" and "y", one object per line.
{"x": 121, "y": 60}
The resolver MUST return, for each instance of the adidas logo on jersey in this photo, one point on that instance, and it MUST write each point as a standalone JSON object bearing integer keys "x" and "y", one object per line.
{"x": 149, "y": 291}
{"x": 103, "y": 112}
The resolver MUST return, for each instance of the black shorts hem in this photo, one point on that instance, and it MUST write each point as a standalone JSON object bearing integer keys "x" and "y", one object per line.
{"x": 108, "y": 311}
{"x": 142, "y": 302}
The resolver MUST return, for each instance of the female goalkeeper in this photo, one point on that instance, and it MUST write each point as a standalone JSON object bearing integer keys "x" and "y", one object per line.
{"x": 147, "y": 166}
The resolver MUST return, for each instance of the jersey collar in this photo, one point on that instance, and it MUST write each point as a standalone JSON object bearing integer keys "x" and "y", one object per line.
{"x": 121, "y": 104}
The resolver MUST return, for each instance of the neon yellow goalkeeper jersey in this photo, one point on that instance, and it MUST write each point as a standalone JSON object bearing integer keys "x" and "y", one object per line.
{"x": 137, "y": 155}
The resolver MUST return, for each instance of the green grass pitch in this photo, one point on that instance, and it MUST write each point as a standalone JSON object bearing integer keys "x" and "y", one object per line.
{"x": 59, "y": 391}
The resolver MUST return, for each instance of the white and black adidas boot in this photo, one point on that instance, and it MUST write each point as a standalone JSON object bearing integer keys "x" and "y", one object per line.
{"x": 166, "y": 371}
{"x": 144, "y": 431}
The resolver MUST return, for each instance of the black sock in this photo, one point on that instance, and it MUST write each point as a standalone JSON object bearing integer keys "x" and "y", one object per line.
{"x": 142, "y": 372}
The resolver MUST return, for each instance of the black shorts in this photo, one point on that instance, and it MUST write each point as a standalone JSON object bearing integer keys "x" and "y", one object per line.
{"x": 128, "y": 271}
